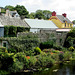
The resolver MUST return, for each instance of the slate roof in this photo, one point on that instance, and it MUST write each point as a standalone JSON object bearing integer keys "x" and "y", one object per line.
{"x": 35, "y": 23}
{"x": 6, "y": 20}
{"x": 63, "y": 19}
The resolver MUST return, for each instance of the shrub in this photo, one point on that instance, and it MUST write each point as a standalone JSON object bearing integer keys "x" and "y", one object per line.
{"x": 47, "y": 44}
{"x": 61, "y": 56}
{"x": 3, "y": 49}
{"x": 67, "y": 55}
{"x": 43, "y": 60}
{"x": 71, "y": 48}
{"x": 57, "y": 47}
{"x": 5, "y": 58}
{"x": 16, "y": 67}
{"x": 11, "y": 50}
{"x": 32, "y": 62}
{"x": 37, "y": 50}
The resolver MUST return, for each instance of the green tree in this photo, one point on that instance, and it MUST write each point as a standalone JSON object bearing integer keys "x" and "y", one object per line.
{"x": 39, "y": 14}
{"x": 11, "y": 8}
{"x": 47, "y": 13}
{"x": 73, "y": 21}
{"x": 22, "y": 11}
{"x": 32, "y": 15}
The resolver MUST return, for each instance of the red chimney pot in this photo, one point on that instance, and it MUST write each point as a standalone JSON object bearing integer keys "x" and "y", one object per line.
{"x": 53, "y": 13}
{"x": 64, "y": 14}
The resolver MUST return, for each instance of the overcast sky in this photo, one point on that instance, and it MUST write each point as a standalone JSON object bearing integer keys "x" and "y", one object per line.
{"x": 60, "y": 6}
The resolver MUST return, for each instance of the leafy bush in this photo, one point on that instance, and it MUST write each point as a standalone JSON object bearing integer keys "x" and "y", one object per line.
{"x": 16, "y": 67}
{"x": 61, "y": 56}
{"x": 71, "y": 48}
{"x": 57, "y": 47}
{"x": 47, "y": 44}
{"x": 22, "y": 45}
{"x": 32, "y": 62}
{"x": 5, "y": 58}
{"x": 3, "y": 49}
{"x": 43, "y": 60}
{"x": 11, "y": 50}
{"x": 67, "y": 55}
{"x": 37, "y": 50}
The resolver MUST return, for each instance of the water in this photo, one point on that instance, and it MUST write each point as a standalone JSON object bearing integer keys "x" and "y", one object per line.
{"x": 66, "y": 69}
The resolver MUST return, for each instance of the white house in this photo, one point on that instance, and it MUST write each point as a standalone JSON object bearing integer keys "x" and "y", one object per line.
{"x": 38, "y": 25}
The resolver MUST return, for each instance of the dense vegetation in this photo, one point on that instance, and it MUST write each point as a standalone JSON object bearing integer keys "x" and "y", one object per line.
{"x": 24, "y": 53}
{"x": 10, "y": 31}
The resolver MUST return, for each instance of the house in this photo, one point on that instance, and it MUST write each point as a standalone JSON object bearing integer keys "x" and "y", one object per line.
{"x": 61, "y": 21}
{"x": 10, "y": 19}
{"x": 11, "y": 13}
{"x": 38, "y": 25}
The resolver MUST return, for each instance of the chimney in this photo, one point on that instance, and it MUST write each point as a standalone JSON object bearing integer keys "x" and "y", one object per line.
{"x": 7, "y": 12}
{"x": 53, "y": 13}
{"x": 64, "y": 14}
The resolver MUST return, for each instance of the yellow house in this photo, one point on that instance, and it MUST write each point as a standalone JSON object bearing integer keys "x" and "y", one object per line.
{"x": 61, "y": 21}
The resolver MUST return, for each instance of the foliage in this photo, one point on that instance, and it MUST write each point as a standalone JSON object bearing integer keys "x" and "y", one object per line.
{"x": 11, "y": 8}
{"x": 3, "y": 49}
{"x": 16, "y": 67}
{"x": 71, "y": 48}
{"x": 32, "y": 15}
{"x": 13, "y": 30}
{"x": 22, "y": 11}
{"x": 37, "y": 50}
{"x": 67, "y": 55}
{"x": 39, "y": 14}
{"x": 6, "y": 30}
{"x": 44, "y": 60}
{"x": 32, "y": 62}
{"x": 5, "y": 58}
{"x": 47, "y": 44}
{"x": 61, "y": 56}
{"x": 70, "y": 40}
{"x": 47, "y": 13}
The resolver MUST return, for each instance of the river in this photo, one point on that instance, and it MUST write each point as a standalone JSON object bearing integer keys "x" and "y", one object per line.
{"x": 62, "y": 69}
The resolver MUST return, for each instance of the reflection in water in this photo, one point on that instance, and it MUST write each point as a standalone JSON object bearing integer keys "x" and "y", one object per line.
{"x": 68, "y": 69}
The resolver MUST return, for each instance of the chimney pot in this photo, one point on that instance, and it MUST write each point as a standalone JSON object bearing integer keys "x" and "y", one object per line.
{"x": 53, "y": 13}
{"x": 64, "y": 14}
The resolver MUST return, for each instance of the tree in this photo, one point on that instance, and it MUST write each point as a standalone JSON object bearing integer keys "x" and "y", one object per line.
{"x": 47, "y": 14}
{"x": 32, "y": 15}
{"x": 11, "y": 8}
{"x": 39, "y": 14}
{"x": 73, "y": 21}
{"x": 22, "y": 11}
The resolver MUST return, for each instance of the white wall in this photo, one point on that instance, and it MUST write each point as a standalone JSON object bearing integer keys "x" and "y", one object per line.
{"x": 34, "y": 30}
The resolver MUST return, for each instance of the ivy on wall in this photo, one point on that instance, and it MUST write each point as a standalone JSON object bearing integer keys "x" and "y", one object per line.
{"x": 13, "y": 30}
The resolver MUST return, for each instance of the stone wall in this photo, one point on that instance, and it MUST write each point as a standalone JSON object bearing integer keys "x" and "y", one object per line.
{"x": 45, "y": 35}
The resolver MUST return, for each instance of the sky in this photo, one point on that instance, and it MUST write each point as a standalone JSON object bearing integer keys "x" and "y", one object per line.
{"x": 60, "y": 6}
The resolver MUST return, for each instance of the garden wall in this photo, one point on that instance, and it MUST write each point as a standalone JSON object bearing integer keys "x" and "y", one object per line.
{"x": 45, "y": 35}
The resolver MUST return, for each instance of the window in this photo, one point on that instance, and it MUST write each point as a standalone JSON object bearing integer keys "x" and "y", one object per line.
{"x": 4, "y": 44}
{"x": 68, "y": 25}
{"x": 65, "y": 24}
